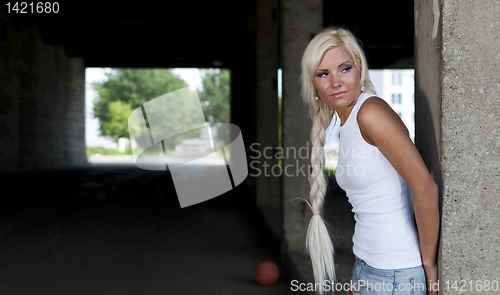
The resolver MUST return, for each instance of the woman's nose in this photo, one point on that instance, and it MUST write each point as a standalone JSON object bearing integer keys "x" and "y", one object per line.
{"x": 336, "y": 81}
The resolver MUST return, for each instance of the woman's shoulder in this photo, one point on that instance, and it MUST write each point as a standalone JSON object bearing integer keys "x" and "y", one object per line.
{"x": 376, "y": 117}
{"x": 373, "y": 107}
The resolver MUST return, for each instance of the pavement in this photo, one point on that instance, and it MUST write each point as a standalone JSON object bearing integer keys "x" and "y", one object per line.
{"x": 117, "y": 229}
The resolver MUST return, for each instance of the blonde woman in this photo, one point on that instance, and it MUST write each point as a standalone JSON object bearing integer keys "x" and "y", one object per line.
{"x": 394, "y": 198}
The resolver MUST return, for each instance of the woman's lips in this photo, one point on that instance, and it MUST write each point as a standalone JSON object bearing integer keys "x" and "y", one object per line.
{"x": 339, "y": 94}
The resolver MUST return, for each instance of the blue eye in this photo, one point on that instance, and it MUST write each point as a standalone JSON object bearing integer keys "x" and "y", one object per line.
{"x": 346, "y": 69}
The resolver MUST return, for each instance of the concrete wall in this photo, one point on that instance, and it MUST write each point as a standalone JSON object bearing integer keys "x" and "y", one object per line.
{"x": 300, "y": 21}
{"x": 267, "y": 184}
{"x": 457, "y": 109}
{"x": 42, "y": 102}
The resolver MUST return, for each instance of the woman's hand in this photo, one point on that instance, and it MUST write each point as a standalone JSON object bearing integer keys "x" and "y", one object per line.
{"x": 431, "y": 276}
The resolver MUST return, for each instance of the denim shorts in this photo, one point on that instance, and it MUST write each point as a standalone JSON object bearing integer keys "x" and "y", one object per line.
{"x": 404, "y": 281}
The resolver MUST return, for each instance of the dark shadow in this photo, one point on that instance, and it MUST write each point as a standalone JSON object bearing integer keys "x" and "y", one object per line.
{"x": 425, "y": 139}
{"x": 109, "y": 228}
{"x": 340, "y": 220}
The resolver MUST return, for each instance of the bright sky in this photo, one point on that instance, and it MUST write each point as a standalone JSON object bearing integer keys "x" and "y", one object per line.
{"x": 191, "y": 76}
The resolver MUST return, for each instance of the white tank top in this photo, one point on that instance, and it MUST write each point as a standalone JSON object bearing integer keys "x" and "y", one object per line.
{"x": 385, "y": 234}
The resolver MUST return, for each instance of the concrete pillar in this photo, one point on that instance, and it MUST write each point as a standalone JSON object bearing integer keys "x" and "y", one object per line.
{"x": 244, "y": 81}
{"x": 457, "y": 130}
{"x": 42, "y": 102}
{"x": 300, "y": 21}
{"x": 267, "y": 184}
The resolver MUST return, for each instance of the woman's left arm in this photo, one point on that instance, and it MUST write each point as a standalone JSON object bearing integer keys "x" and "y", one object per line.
{"x": 382, "y": 127}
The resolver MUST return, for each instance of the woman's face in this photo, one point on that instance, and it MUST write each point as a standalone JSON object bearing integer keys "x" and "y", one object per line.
{"x": 338, "y": 80}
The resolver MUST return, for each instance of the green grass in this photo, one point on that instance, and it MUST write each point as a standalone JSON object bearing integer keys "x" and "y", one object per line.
{"x": 329, "y": 172}
{"x": 106, "y": 152}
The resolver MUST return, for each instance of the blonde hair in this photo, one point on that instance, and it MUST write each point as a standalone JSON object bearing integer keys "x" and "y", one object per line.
{"x": 318, "y": 240}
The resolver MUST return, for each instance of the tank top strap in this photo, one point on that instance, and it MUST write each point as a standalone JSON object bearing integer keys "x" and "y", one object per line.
{"x": 354, "y": 112}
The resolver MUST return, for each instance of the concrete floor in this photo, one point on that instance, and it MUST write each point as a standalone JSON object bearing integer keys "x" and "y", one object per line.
{"x": 119, "y": 230}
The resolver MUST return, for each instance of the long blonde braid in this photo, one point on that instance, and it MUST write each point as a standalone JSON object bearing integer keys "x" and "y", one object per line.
{"x": 318, "y": 240}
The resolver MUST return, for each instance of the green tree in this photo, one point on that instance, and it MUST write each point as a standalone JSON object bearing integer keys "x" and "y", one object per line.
{"x": 119, "y": 112}
{"x": 127, "y": 89}
{"x": 215, "y": 95}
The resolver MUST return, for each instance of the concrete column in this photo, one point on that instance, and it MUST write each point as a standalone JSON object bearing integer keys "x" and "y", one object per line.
{"x": 457, "y": 130}
{"x": 300, "y": 21}
{"x": 42, "y": 102}
{"x": 244, "y": 81}
{"x": 267, "y": 183}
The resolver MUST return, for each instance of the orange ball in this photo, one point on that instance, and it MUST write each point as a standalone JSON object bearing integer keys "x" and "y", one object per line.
{"x": 266, "y": 273}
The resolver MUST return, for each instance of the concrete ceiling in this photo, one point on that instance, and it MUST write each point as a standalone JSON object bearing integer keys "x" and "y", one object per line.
{"x": 385, "y": 28}
{"x": 205, "y": 33}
